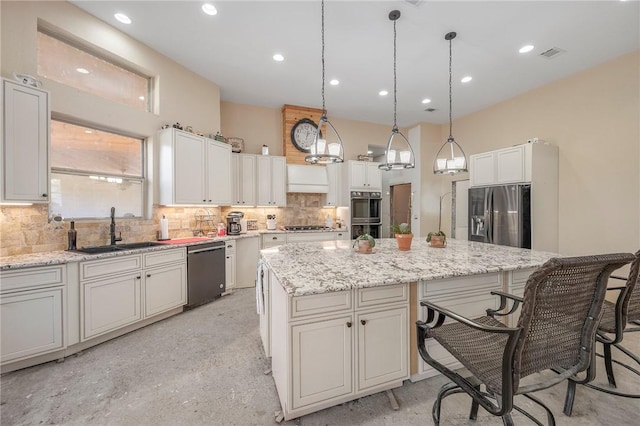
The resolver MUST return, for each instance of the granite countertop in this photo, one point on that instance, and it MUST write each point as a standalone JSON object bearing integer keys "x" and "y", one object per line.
{"x": 63, "y": 256}
{"x": 313, "y": 268}
{"x": 284, "y": 231}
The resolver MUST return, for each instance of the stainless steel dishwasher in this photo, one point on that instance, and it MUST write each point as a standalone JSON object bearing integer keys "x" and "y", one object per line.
{"x": 205, "y": 273}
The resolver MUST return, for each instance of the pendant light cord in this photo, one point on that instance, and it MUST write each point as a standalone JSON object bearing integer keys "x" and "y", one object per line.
{"x": 395, "y": 91}
{"x": 324, "y": 112}
{"x": 450, "y": 119}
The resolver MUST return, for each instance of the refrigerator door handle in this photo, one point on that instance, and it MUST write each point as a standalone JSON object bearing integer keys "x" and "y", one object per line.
{"x": 489, "y": 214}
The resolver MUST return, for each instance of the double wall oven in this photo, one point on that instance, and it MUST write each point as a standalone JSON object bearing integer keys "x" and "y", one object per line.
{"x": 365, "y": 213}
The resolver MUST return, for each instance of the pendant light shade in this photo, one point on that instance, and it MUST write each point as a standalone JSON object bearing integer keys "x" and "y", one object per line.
{"x": 327, "y": 145}
{"x": 450, "y": 159}
{"x": 399, "y": 154}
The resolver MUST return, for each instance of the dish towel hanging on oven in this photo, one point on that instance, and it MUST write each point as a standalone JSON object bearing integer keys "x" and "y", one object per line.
{"x": 259, "y": 293}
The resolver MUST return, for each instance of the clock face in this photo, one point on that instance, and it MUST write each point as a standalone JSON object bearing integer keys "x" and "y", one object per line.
{"x": 303, "y": 134}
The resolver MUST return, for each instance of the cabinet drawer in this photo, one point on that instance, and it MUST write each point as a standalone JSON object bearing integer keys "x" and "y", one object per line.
{"x": 455, "y": 288}
{"x": 32, "y": 278}
{"x": 230, "y": 246}
{"x": 98, "y": 268}
{"x": 302, "y": 306}
{"x": 373, "y": 296}
{"x": 271, "y": 240}
{"x": 164, "y": 257}
{"x": 310, "y": 236}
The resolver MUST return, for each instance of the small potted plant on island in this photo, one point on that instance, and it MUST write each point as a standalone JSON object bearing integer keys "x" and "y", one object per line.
{"x": 364, "y": 243}
{"x": 403, "y": 236}
{"x": 437, "y": 239}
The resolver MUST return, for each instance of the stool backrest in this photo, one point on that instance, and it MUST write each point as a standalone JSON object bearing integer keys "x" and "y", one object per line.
{"x": 631, "y": 301}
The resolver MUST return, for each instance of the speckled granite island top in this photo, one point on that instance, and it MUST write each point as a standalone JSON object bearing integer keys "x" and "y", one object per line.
{"x": 313, "y": 268}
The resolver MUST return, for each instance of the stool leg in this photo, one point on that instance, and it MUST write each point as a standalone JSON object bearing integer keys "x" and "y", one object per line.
{"x": 568, "y": 400}
{"x": 473, "y": 414}
{"x": 608, "y": 365}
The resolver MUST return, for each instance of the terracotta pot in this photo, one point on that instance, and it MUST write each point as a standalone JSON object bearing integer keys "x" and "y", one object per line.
{"x": 438, "y": 241}
{"x": 363, "y": 246}
{"x": 404, "y": 241}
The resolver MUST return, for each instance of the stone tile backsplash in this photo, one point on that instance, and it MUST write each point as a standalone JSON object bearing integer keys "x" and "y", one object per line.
{"x": 27, "y": 229}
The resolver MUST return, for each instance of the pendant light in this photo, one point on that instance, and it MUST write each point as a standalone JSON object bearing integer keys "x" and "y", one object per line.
{"x": 450, "y": 158}
{"x": 329, "y": 149}
{"x": 399, "y": 154}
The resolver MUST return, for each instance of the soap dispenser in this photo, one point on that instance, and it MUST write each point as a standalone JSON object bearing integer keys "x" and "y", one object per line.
{"x": 72, "y": 236}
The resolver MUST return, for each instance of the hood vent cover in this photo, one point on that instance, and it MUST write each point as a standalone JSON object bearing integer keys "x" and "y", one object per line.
{"x": 307, "y": 179}
{"x": 553, "y": 52}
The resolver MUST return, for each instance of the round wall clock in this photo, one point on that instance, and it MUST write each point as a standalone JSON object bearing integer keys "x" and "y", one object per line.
{"x": 303, "y": 134}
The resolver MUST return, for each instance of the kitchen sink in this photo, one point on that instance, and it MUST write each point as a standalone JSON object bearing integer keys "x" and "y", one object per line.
{"x": 119, "y": 247}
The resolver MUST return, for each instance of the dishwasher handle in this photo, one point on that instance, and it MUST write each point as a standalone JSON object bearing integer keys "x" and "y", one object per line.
{"x": 205, "y": 249}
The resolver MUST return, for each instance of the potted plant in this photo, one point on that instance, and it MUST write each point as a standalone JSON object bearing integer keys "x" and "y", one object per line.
{"x": 403, "y": 236}
{"x": 437, "y": 239}
{"x": 364, "y": 243}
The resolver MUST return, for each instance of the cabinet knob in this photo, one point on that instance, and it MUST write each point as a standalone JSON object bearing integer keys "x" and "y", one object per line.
{"x": 274, "y": 238}
{"x": 229, "y": 246}
{"x": 228, "y": 257}
{"x": 138, "y": 277}
{"x": 204, "y": 201}
{"x": 44, "y": 195}
{"x": 349, "y": 324}
{"x": 363, "y": 322}
{"x": 148, "y": 275}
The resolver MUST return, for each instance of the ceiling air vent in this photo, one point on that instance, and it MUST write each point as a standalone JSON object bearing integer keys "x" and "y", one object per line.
{"x": 430, "y": 109}
{"x": 553, "y": 52}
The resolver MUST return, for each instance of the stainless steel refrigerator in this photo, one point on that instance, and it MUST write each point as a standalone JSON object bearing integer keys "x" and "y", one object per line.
{"x": 501, "y": 215}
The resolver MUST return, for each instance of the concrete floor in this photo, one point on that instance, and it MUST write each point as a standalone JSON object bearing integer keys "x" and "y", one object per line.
{"x": 205, "y": 367}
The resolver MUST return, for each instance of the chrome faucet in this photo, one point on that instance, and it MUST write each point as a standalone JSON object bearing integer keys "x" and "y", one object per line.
{"x": 112, "y": 228}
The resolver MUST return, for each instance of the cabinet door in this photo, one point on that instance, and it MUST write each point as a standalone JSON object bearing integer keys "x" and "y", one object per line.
{"x": 189, "y": 161}
{"x": 279, "y": 181}
{"x": 321, "y": 360}
{"x": 263, "y": 177}
{"x": 110, "y": 303}
{"x": 218, "y": 173}
{"x": 482, "y": 169}
{"x": 25, "y": 151}
{"x": 31, "y": 323}
{"x": 247, "y": 178}
{"x": 164, "y": 289}
{"x": 357, "y": 175}
{"x": 334, "y": 174}
{"x": 230, "y": 271}
{"x": 382, "y": 347}
{"x": 510, "y": 165}
{"x": 374, "y": 177}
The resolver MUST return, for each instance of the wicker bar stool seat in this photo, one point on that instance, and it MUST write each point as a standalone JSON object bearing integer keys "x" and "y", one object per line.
{"x": 554, "y": 336}
{"x": 618, "y": 318}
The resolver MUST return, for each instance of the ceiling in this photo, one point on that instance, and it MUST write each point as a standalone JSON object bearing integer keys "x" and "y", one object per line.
{"x": 234, "y": 49}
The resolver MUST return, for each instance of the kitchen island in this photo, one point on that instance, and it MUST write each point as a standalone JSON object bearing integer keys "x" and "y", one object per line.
{"x": 339, "y": 324}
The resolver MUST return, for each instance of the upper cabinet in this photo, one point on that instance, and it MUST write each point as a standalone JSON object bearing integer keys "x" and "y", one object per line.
{"x": 271, "y": 176}
{"x": 25, "y": 150}
{"x": 243, "y": 179}
{"x": 515, "y": 164}
{"x": 334, "y": 194}
{"x": 193, "y": 170}
{"x": 364, "y": 175}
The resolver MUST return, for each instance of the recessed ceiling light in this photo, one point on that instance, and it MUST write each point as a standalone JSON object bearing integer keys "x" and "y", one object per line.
{"x": 334, "y": 82}
{"x": 383, "y": 93}
{"x": 527, "y": 48}
{"x": 122, "y": 18}
{"x": 466, "y": 79}
{"x": 278, "y": 57}
{"x": 426, "y": 100}
{"x": 82, "y": 70}
{"x": 209, "y": 9}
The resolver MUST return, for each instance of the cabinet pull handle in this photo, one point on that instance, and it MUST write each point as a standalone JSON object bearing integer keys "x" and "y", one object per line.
{"x": 349, "y": 324}
{"x": 363, "y": 322}
{"x": 138, "y": 277}
{"x": 274, "y": 238}
{"x": 44, "y": 195}
{"x": 148, "y": 275}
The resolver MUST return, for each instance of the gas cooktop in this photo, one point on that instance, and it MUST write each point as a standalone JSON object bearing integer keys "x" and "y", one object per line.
{"x": 305, "y": 228}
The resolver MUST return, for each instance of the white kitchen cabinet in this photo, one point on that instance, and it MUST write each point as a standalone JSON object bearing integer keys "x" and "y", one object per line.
{"x": 249, "y": 247}
{"x": 272, "y": 176}
{"x": 321, "y": 357}
{"x": 334, "y": 196}
{"x": 272, "y": 239}
{"x": 193, "y": 170}
{"x": 110, "y": 303}
{"x": 165, "y": 288}
{"x": 32, "y": 315}
{"x": 243, "y": 179}
{"x": 342, "y": 235}
{"x": 24, "y": 155}
{"x": 303, "y": 237}
{"x": 468, "y": 296}
{"x": 382, "y": 347}
{"x": 483, "y": 169}
{"x": 364, "y": 176}
{"x": 230, "y": 265}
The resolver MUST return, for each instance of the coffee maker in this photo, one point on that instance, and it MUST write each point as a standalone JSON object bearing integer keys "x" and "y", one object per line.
{"x": 233, "y": 223}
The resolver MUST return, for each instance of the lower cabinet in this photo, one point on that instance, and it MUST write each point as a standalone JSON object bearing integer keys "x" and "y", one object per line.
{"x": 230, "y": 265}
{"x": 164, "y": 289}
{"x": 330, "y": 350}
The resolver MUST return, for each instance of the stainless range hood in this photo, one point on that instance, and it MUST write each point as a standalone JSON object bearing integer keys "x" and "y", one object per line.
{"x": 307, "y": 179}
